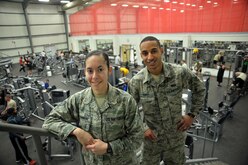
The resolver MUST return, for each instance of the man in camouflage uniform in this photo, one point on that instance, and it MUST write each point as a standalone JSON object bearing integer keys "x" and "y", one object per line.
{"x": 109, "y": 127}
{"x": 158, "y": 88}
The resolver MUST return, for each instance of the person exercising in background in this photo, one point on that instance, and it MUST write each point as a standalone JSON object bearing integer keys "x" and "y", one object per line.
{"x": 220, "y": 73}
{"x": 124, "y": 71}
{"x": 198, "y": 67}
{"x": 22, "y": 64}
{"x": 218, "y": 58}
{"x": 183, "y": 63}
{"x": 17, "y": 139}
{"x": 46, "y": 84}
{"x": 118, "y": 60}
{"x": 239, "y": 80}
{"x": 10, "y": 104}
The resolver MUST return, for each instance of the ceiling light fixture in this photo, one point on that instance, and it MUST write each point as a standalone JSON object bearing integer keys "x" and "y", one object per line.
{"x": 154, "y": 7}
{"x": 181, "y": 11}
{"x": 215, "y": 3}
{"x": 124, "y": 5}
{"x": 135, "y": 6}
{"x": 175, "y": 2}
{"x": 208, "y": 1}
{"x": 166, "y": 1}
{"x": 188, "y": 4}
{"x": 44, "y": 0}
{"x": 64, "y": 1}
{"x": 113, "y": 4}
{"x": 174, "y": 9}
{"x": 161, "y": 8}
{"x": 193, "y": 5}
{"x": 181, "y": 3}
{"x": 168, "y": 9}
{"x": 145, "y": 7}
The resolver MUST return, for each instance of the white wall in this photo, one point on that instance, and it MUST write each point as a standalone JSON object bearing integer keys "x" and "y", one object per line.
{"x": 43, "y": 8}
{"x": 13, "y": 31}
{"x": 43, "y": 40}
{"x": 47, "y": 22}
{"x": 46, "y": 27}
{"x": 45, "y": 19}
{"x": 13, "y": 7}
{"x": 13, "y": 19}
{"x": 49, "y": 29}
{"x": 11, "y": 43}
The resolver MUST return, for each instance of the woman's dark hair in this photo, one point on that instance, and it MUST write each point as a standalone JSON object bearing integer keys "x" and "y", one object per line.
{"x": 150, "y": 38}
{"x": 98, "y": 53}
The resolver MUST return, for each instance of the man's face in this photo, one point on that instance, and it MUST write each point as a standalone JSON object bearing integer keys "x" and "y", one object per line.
{"x": 151, "y": 54}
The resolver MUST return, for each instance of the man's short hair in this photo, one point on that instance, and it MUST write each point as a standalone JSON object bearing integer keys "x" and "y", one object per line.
{"x": 150, "y": 38}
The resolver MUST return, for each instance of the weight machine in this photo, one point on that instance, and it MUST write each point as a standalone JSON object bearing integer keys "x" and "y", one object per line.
{"x": 29, "y": 105}
{"x": 69, "y": 143}
{"x": 70, "y": 73}
{"x": 128, "y": 56}
{"x": 49, "y": 101}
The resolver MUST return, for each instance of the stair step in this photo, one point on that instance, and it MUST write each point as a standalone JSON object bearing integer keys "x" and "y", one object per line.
{"x": 205, "y": 161}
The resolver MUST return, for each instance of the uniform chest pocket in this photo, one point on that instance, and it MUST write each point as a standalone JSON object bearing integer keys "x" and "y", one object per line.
{"x": 111, "y": 120}
{"x": 148, "y": 103}
{"x": 115, "y": 122}
{"x": 147, "y": 98}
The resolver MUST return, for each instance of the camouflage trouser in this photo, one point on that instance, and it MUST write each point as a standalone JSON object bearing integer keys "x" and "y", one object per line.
{"x": 155, "y": 152}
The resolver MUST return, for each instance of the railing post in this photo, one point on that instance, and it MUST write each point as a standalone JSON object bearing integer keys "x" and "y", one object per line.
{"x": 35, "y": 132}
{"x": 39, "y": 149}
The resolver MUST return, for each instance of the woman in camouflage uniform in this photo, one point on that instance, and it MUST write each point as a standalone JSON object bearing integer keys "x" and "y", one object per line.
{"x": 109, "y": 126}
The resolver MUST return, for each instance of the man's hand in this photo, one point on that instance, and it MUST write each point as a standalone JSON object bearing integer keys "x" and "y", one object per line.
{"x": 185, "y": 123}
{"x": 83, "y": 137}
{"x": 99, "y": 147}
{"x": 149, "y": 134}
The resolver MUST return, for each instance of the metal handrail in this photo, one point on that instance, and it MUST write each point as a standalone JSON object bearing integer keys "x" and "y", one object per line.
{"x": 215, "y": 138}
{"x": 36, "y": 134}
{"x": 191, "y": 161}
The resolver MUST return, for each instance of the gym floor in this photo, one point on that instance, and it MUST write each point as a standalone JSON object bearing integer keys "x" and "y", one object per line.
{"x": 231, "y": 147}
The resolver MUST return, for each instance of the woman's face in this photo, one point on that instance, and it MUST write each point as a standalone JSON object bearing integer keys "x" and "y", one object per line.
{"x": 97, "y": 74}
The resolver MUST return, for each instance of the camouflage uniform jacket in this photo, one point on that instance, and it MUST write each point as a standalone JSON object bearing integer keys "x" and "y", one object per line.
{"x": 161, "y": 101}
{"x": 117, "y": 122}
